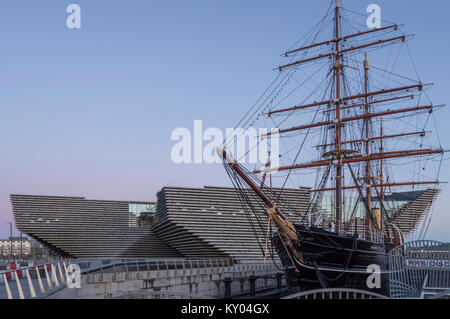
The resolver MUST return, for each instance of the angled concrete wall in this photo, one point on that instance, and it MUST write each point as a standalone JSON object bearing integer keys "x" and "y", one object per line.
{"x": 81, "y": 228}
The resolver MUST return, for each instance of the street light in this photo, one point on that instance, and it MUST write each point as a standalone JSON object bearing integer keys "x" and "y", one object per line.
{"x": 10, "y": 238}
{"x": 21, "y": 242}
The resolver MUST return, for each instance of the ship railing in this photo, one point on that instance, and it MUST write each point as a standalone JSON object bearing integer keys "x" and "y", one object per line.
{"x": 358, "y": 227}
{"x": 377, "y": 236}
{"x": 374, "y": 236}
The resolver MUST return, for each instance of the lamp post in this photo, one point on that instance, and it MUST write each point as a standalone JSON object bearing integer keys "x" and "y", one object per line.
{"x": 21, "y": 243}
{"x": 10, "y": 239}
{"x": 21, "y": 248}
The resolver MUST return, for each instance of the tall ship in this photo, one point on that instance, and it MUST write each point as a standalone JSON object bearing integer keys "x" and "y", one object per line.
{"x": 355, "y": 124}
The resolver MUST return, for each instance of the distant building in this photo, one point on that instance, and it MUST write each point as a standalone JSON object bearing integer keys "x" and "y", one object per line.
{"x": 185, "y": 222}
{"x": 19, "y": 246}
{"x": 81, "y": 228}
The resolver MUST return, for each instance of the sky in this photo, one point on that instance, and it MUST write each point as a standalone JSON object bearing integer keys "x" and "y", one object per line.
{"x": 89, "y": 112}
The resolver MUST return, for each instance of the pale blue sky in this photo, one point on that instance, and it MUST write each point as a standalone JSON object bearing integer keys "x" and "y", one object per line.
{"x": 89, "y": 112}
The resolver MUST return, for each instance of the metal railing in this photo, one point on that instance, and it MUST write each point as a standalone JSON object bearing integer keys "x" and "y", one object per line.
{"x": 8, "y": 261}
{"x": 417, "y": 266}
{"x": 33, "y": 281}
{"x": 41, "y": 279}
{"x": 145, "y": 294}
{"x": 442, "y": 295}
{"x": 336, "y": 293}
{"x": 88, "y": 266}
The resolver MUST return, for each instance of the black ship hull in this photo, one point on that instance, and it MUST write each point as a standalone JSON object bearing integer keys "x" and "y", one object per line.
{"x": 332, "y": 261}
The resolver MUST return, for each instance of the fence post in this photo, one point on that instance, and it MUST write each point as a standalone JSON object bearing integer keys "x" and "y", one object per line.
{"x": 19, "y": 286}
{"x": 65, "y": 269}
{"x": 252, "y": 281}
{"x": 30, "y": 284}
{"x": 55, "y": 278}
{"x": 227, "y": 282}
{"x": 49, "y": 283}
{"x": 61, "y": 274}
{"x": 8, "y": 291}
{"x": 279, "y": 283}
{"x": 41, "y": 286}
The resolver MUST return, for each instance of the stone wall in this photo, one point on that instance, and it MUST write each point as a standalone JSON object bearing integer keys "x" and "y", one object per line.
{"x": 204, "y": 282}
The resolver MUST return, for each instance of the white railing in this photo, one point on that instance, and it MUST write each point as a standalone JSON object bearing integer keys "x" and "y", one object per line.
{"x": 43, "y": 278}
{"x": 33, "y": 281}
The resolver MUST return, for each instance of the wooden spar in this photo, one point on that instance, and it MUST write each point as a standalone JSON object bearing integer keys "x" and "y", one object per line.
{"x": 326, "y": 55}
{"x": 385, "y": 137}
{"x": 394, "y": 26}
{"x": 368, "y": 181}
{"x": 286, "y": 54}
{"x": 372, "y": 102}
{"x": 349, "y": 98}
{"x": 381, "y": 171}
{"x": 339, "y": 177}
{"x": 354, "y": 118}
{"x": 272, "y": 211}
{"x": 358, "y": 159}
{"x": 263, "y": 180}
{"x": 379, "y": 185}
{"x": 388, "y": 153}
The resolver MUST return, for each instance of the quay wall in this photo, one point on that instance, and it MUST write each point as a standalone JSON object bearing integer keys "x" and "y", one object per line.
{"x": 202, "y": 282}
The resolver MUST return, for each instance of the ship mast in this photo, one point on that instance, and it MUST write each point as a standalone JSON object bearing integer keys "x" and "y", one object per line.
{"x": 339, "y": 174}
{"x": 338, "y": 102}
{"x": 381, "y": 175}
{"x": 368, "y": 179}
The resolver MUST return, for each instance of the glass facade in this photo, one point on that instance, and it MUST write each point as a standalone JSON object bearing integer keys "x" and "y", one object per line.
{"x": 358, "y": 210}
{"x": 141, "y": 215}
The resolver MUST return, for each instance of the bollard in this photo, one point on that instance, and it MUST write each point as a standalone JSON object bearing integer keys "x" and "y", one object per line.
{"x": 227, "y": 282}
{"x": 252, "y": 281}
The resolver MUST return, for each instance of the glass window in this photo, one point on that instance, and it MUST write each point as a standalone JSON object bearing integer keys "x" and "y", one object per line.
{"x": 141, "y": 214}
